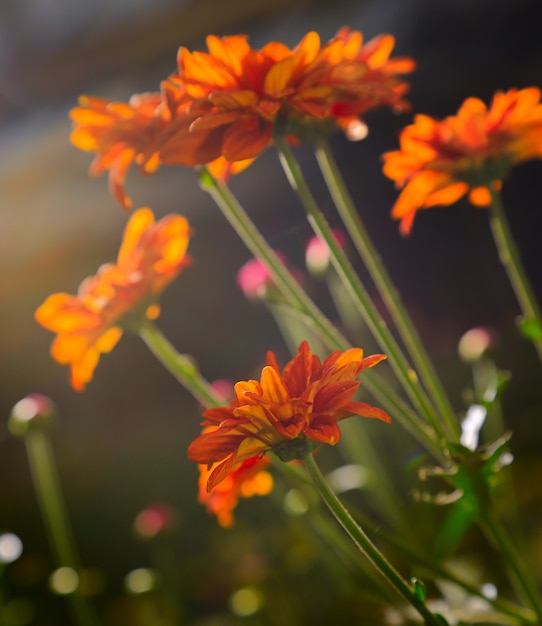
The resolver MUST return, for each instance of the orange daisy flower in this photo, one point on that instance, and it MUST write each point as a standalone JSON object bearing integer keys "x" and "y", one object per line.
{"x": 287, "y": 413}
{"x": 120, "y": 134}
{"x": 119, "y": 296}
{"x": 125, "y": 133}
{"x": 471, "y": 152}
{"x": 234, "y": 97}
{"x": 248, "y": 480}
{"x": 223, "y": 107}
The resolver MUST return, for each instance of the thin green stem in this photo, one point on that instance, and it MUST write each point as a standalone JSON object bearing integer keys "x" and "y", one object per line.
{"x": 286, "y": 283}
{"x": 366, "y": 546}
{"x": 366, "y": 249}
{"x": 511, "y": 260}
{"x": 520, "y": 575}
{"x": 522, "y": 614}
{"x": 55, "y": 517}
{"x": 405, "y": 374}
{"x": 298, "y": 299}
{"x": 180, "y": 365}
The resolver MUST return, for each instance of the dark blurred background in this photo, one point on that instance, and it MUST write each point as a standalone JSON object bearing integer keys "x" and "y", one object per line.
{"x": 121, "y": 445}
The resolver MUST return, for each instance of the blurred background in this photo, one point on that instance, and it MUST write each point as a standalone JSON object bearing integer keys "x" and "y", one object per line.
{"x": 121, "y": 445}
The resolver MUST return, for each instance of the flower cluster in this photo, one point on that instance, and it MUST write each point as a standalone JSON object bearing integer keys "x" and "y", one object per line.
{"x": 471, "y": 152}
{"x": 218, "y": 112}
{"x": 223, "y": 107}
{"x": 287, "y": 413}
{"x": 119, "y": 296}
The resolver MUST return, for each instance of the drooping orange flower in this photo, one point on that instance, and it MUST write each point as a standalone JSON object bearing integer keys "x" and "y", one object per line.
{"x": 250, "y": 479}
{"x": 119, "y": 296}
{"x": 440, "y": 161}
{"x": 120, "y": 134}
{"x": 286, "y": 413}
{"x": 235, "y": 97}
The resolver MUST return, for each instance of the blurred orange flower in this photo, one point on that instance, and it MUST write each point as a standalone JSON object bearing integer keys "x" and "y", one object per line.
{"x": 235, "y": 97}
{"x": 286, "y": 413}
{"x": 120, "y": 134}
{"x": 119, "y": 296}
{"x": 222, "y": 107}
{"x": 248, "y": 480}
{"x": 471, "y": 152}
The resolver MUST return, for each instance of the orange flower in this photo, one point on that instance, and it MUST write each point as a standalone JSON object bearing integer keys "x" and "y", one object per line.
{"x": 249, "y": 479}
{"x": 286, "y": 413}
{"x": 222, "y": 107}
{"x": 120, "y": 134}
{"x": 232, "y": 99}
{"x": 120, "y": 296}
{"x": 471, "y": 152}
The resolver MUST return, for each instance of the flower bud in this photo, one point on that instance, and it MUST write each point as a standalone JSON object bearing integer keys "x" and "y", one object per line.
{"x": 474, "y": 343}
{"x": 254, "y": 279}
{"x": 317, "y": 256}
{"x": 155, "y": 521}
{"x": 36, "y": 411}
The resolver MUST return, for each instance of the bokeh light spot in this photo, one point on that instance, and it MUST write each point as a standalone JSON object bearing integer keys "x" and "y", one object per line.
{"x": 11, "y": 548}
{"x": 140, "y": 580}
{"x": 489, "y": 591}
{"x": 347, "y": 477}
{"x": 295, "y": 503}
{"x": 64, "y": 580}
{"x": 246, "y": 601}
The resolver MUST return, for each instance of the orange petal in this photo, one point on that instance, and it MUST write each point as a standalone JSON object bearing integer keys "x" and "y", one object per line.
{"x": 480, "y": 196}
{"x": 83, "y": 369}
{"x": 117, "y": 176}
{"x": 367, "y": 410}
{"x": 278, "y": 78}
{"x": 139, "y": 222}
{"x": 109, "y": 339}
{"x": 415, "y": 193}
{"x": 246, "y": 139}
{"x": 272, "y": 386}
{"x": 63, "y": 313}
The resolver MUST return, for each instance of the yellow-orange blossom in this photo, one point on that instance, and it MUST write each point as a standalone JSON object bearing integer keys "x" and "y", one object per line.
{"x": 441, "y": 161}
{"x": 285, "y": 412}
{"x": 120, "y": 295}
{"x": 222, "y": 107}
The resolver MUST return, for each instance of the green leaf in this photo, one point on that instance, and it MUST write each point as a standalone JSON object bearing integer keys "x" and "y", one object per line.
{"x": 454, "y": 528}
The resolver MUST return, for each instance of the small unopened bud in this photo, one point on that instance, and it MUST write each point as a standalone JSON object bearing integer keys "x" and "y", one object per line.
{"x": 474, "y": 344}
{"x": 317, "y": 255}
{"x": 223, "y": 389}
{"x": 34, "y": 411}
{"x": 155, "y": 521}
{"x": 254, "y": 278}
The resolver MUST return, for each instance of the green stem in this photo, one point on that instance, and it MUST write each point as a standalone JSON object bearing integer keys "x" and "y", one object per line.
{"x": 300, "y": 301}
{"x": 510, "y": 258}
{"x": 366, "y": 249}
{"x": 405, "y": 374}
{"x": 55, "y": 517}
{"x": 180, "y": 365}
{"x": 521, "y": 577}
{"x": 286, "y": 283}
{"x": 366, "y": 546}
{"x": 300, "y": 480}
